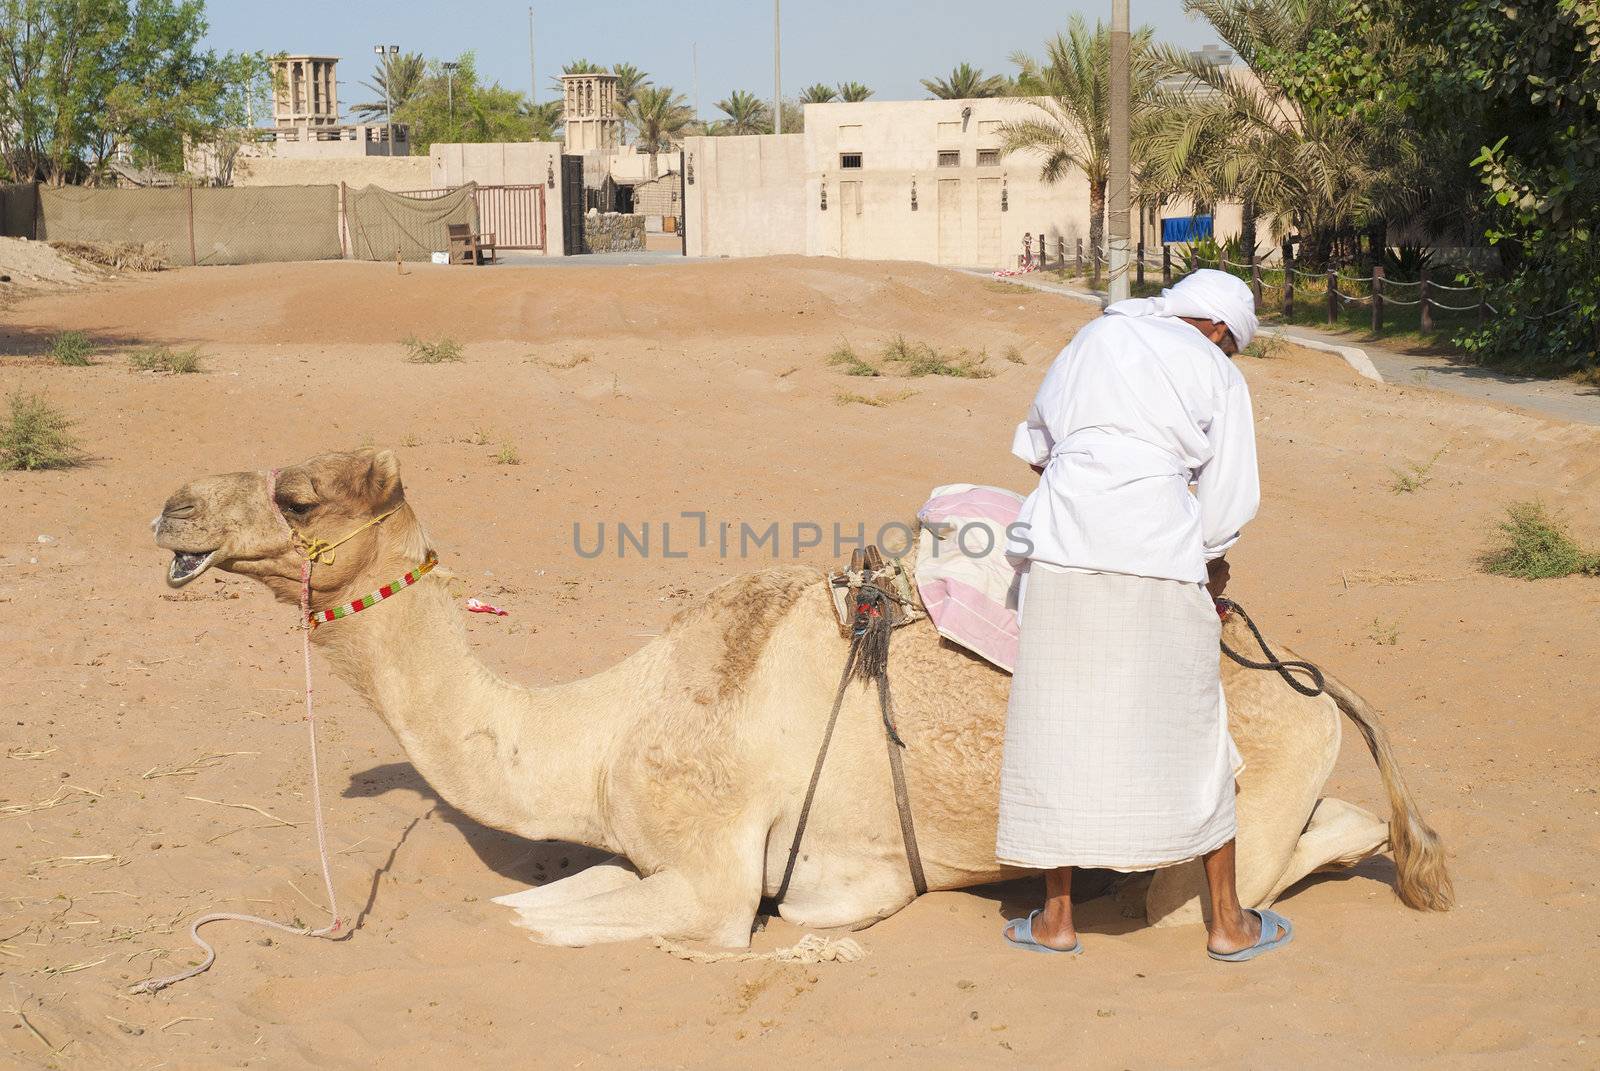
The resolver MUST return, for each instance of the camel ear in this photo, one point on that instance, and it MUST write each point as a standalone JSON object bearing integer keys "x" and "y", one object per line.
{"x": 383, "y": 480}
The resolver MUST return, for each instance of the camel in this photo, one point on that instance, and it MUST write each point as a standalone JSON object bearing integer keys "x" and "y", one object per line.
{"x": 689, "y": 759}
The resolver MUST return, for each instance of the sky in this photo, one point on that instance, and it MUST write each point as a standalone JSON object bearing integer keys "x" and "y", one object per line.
{"x": 888, "y": 44}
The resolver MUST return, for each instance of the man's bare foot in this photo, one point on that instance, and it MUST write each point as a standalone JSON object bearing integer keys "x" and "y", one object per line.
{"x": 1237, "y": 933}
{"x": 1049, "y": 929}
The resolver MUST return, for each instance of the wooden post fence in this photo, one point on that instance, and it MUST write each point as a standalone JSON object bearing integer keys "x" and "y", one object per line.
{"x": 1079, "y": 268}
{"x": 1138, "y": 272}
{"x": 1255, "y": 279}
{"x": 1333, "y": 296}
{"x": 1288, "y": 281}
{"x": 1425, "y": 303}
{"x": 1061, "y": 252}
{"x": 1166, "y": 264}
{"x": 1377, "y": 298}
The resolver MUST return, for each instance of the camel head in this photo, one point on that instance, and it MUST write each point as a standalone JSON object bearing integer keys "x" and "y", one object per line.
{"x": 229, "y": 522}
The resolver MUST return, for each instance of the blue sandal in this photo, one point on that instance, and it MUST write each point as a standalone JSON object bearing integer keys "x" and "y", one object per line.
{"x": 1271, "y": 923}
{"x": 1024, "y": 937}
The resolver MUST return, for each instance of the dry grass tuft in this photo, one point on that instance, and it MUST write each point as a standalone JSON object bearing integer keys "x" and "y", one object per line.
{"x": 123, "y": 256}
{"x": 1415, "y": 476}
{"x": 1535, "y": 545}
{"x": 36, "y": 435}
{"x": 882, "y": 401}
{"x": 165, "y": 359}
{"x": 1014, "y": 355}
{"x": 507, "y": 455}
{"x": 847, "y": 360}
{"x": 918, "y": 359}
{"x": 420, "y": 351}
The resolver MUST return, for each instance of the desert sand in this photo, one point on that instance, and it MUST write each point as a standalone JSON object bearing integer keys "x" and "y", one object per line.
{"x": 149, "y": 717}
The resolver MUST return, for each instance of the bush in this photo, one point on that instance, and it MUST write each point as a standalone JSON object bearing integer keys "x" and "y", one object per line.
{"x": 419, "y": 351}
{"x": 165, "y": 359}
{"x": 1537, "y": 546}
{"x": 36, "y": 435}
{"x": 71, "y": 348}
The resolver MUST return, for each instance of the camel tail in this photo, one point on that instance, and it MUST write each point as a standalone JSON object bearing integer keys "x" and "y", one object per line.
{"x": 1424, "y": 881}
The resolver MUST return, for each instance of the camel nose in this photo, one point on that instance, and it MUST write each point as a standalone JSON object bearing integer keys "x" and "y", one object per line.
{"x": 177, "y": 511}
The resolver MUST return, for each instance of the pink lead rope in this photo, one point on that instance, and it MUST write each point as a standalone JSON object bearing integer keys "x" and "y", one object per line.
{"x": 153, "y": 985}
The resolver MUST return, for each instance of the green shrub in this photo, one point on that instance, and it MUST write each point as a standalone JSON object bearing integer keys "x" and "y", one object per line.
{"x": 1537, "y": 546}
{"x": 165, "y": 359}
{"x": 419, "y": 351}
{"x": 71, "y": 348}
{"x": 36, "y": 435}
{"x": 845, "y": 358}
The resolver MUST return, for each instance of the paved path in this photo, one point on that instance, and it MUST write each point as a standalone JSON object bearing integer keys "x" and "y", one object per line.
{"x": 1558, "y": 398}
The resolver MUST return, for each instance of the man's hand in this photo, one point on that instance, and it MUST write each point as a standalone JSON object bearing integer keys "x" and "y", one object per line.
{"x": 1217, "y": 572}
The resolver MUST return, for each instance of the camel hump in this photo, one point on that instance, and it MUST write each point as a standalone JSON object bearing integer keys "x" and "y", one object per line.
{"x": 721, "y": 636}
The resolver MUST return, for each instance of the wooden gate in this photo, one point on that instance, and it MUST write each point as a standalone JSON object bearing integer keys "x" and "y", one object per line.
{"x": 514, "y": 215}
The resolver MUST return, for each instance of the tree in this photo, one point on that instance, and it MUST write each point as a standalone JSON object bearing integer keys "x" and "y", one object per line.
{"x": 747, "y": 114}
{"x": 545, "y": 120}
{"x": 481, "y": 113}
{"x": 1073, "y": 127}
{"x": 577, "y": 66}
{"x": 1523, "y": 81}
{"x": 817, "y": 94}
{"x": 82, "y": 81}
{"x": 966, "y": 82}
{"x": 403, "y": 76}
{"x": 660, "y": 116}
{"x": 853, "y": 92}
{"x": 630, "y": 80}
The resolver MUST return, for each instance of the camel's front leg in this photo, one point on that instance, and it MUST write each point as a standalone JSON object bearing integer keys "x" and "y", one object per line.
{"x": 605, "y": 876}
{"x": 665, "y": 904}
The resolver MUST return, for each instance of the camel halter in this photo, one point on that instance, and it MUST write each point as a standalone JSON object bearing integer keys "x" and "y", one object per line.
{"x": 314, "y": 552}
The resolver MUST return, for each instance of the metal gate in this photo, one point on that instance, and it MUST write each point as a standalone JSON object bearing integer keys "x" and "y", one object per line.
{"x": 513, "y": 214}
{"x": 572, "y": 205}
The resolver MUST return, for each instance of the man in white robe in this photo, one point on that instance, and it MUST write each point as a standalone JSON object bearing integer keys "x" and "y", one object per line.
{"x": 1117, "y": 753}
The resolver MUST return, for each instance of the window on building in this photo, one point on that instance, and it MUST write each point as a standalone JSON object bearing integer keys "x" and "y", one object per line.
{"x": 949, "y": 132}
{"x": 849, "y": 161}
{"x": 988, "y": 126}
{"x": 988, "y": 157}
{"x": 950, "y": 158}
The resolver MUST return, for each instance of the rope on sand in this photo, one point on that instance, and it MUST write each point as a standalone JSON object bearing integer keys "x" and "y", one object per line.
{"x": 812, "y": 948}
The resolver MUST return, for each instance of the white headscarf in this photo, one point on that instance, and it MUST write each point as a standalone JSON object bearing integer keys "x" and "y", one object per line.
{"x": 1204, "y": 295}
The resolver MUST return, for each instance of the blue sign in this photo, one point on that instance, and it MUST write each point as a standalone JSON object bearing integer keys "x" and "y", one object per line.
{"x": 1180, "y": 229}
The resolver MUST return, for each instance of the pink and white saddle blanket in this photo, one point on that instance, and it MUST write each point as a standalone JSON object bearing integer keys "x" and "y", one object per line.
{"x": 969, "y": 587}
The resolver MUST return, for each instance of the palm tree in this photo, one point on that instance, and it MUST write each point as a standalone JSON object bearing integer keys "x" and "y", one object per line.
{"x": 853, "y": 92}
{"x": 577, "y": 66}
{"x": 659, "y": 115}
{"x": 1073, "y": 129}
{"x": 964, "y": 83}
{"x": 1221, "y": 135}
{"x": 544, "y": 120}
{"x": 403, "y": 75}
{"x": 818, "y": 94}
{"x": 747, "y": 114}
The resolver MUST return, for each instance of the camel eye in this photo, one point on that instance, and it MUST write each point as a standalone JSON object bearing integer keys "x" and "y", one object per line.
{"x": 298, "y": 509}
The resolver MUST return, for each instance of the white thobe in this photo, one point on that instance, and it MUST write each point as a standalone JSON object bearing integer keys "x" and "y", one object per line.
{"x": 1132, "y": 412}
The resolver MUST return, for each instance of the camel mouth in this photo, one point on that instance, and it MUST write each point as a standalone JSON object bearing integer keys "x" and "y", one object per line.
{"x": 188, "y": 564}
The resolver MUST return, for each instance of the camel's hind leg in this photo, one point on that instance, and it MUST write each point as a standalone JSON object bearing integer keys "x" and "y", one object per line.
{"x": 605, "y": 876}
{"x": 1340, "y": 834}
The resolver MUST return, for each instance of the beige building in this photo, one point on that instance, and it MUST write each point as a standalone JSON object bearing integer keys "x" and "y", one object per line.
{"x": 305, "y": 91}
{"x": 888, "y": 180}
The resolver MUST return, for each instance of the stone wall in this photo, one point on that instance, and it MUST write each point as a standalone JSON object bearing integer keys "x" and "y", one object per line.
{"x": 613, "y": 232}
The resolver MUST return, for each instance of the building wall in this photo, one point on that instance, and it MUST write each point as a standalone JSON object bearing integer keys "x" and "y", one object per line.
{"x": 746, "y": 196}
{"x": 763, "y": 195}
{"x": 659, "y": 197}
{"x": 510, "y": 163}
{"x": 398, "y": 173}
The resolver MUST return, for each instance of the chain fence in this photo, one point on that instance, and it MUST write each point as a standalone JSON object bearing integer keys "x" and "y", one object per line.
{"x": 243, "y": 224}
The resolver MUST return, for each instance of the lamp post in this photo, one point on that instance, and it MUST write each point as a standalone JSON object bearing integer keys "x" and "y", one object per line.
{"x": 388, "y": 52}
{"x": 450, "y": 93}
{"x": 777, "y": 67}
{"x": 1118, "y": 209}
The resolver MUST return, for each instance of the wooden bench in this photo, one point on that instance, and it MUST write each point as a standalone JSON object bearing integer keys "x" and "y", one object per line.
{"x": 469, "y": 248}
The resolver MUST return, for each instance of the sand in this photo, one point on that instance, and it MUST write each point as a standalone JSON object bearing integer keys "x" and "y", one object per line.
{"x": 638, "y": 393}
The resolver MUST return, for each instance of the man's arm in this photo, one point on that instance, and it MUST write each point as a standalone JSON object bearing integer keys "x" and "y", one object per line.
{"x": 1229, "y": 486}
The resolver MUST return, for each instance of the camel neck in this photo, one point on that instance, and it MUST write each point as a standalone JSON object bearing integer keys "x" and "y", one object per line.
{"x": 528, "y": 761}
